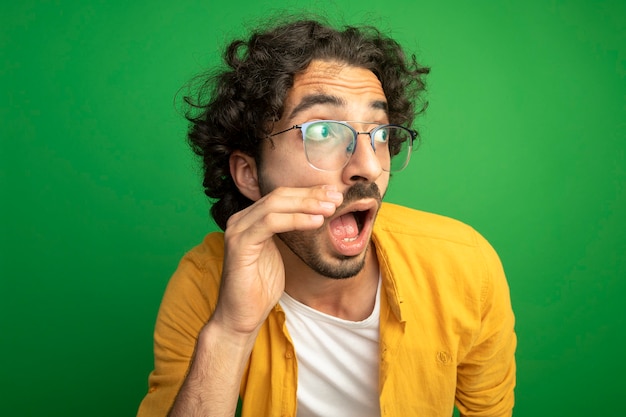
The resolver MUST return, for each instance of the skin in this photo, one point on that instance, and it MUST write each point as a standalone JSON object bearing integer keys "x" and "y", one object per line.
{"x": 268, "y": 245}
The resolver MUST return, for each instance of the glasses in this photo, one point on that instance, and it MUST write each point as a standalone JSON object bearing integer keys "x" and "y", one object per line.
{"x": 329, "y": 144}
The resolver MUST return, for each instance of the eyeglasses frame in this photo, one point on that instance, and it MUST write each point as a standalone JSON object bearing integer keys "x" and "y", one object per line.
{"x": 304, "y": 126}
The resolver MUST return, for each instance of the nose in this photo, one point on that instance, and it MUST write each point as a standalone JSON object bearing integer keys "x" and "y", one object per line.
{"x": 363, "y": 165}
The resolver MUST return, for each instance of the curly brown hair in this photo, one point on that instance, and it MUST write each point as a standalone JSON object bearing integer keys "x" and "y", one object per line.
{"x": 236, "y": 106}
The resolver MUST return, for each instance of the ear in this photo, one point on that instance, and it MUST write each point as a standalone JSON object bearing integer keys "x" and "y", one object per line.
{"x": 244, "y": 172}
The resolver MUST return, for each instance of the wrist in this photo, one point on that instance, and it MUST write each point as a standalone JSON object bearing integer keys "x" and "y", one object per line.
{"x": 236, "y": 340}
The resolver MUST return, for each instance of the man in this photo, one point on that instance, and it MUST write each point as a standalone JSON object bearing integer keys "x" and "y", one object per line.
{"x": 318, "y": 299}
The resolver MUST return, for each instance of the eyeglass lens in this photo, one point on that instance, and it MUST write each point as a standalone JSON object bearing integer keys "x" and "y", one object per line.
{"x": 329, "y": 145}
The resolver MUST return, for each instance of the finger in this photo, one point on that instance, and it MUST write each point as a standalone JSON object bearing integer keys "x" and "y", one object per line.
{"x": 283, "y": 210}
{"x": 320, "y": 200}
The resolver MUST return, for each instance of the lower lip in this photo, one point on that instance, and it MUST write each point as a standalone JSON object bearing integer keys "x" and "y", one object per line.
{"x": 352, "y": 247}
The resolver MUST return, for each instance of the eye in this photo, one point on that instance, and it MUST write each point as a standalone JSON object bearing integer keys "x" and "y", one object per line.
{"x": 318, "y": 131}
{"x": 381, "y": 135}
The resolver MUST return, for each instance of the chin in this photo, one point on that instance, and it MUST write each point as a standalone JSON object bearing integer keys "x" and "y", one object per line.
{"x": 341, "y": 269}
{"x": 307, "y": 249}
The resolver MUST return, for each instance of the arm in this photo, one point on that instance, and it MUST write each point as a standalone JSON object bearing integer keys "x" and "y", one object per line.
{"x": 252, "y": 282}
{"x": 486, "y": 376}
{"x": 212, "y": 383}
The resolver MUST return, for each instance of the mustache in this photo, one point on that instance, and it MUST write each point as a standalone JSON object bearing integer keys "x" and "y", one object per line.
{"x": 360, "y": 191}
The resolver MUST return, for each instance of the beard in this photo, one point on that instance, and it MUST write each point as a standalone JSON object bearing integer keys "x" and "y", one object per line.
{"x": 307, "y": 245}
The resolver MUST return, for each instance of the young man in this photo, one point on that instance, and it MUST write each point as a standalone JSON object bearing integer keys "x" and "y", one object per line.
{"x": 319, "y": 299}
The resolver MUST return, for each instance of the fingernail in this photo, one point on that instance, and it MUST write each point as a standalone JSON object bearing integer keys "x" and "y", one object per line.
{"x": 334, "y": 195}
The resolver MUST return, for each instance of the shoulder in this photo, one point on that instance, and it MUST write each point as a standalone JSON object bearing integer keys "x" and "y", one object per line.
{"x": 408, "y": 223}
{"x": 208, "y": 252}
{"x": 199, "y": 271}
{"x": 415, "y": 242}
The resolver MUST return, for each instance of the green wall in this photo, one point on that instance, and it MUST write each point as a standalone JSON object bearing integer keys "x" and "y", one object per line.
{"x": 524, "y": 139}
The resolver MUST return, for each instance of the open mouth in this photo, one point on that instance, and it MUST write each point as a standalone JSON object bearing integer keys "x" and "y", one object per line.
{"x": 348, "y": 229}
{"x": 359, "y": 220}
{"x": 360, "y": 217}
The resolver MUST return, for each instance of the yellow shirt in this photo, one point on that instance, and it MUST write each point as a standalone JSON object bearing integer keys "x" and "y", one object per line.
{"x": 446, "y": 326}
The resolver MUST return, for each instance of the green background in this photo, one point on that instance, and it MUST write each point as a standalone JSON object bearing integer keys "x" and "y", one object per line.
{"x": 524, "y": 139}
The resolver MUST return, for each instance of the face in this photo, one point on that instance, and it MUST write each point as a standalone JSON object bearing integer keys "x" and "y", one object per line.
{"x": 328, "y": 90}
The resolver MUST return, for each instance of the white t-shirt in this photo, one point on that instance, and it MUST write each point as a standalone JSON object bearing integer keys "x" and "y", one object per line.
{"x": 338, "y": 361}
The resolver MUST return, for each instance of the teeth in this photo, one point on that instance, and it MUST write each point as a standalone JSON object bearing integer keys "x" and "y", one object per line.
{"x": 349, "y": 239}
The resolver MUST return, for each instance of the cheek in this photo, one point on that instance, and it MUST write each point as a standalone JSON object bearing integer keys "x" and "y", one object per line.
{"x": 280, "y": 171}
{"x": 283, "y": 155}
{"x": 285, "y": 165}
{"x": 272, "y": 177}
{"x": 383, "y": 183}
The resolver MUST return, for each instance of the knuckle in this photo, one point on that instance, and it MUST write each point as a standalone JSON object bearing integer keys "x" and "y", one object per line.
{"x": 270, "y": 220}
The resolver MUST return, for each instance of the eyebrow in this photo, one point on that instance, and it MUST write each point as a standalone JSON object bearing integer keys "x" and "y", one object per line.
{"x": 312, "y": 100}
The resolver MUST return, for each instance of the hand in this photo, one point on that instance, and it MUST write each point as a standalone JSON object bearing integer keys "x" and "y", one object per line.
{"x": 253, "y": 277}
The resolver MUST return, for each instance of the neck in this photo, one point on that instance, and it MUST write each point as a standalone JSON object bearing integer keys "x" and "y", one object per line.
{"x": 347, "y": 298}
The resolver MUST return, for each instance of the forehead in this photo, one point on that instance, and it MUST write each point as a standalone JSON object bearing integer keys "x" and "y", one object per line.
{"x": 334, "y": 84}
{"x": 330, "y": 74}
